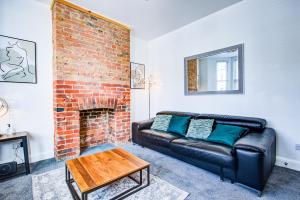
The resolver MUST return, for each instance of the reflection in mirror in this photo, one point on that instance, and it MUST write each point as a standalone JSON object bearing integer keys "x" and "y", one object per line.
{"x": 215, "y": 72}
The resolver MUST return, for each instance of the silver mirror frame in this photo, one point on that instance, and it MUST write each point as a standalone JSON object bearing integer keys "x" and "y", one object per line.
{"x": 240, "y": 48}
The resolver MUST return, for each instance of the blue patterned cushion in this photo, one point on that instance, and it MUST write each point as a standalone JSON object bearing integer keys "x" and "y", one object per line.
{"x": 200, "y": 128}
{"x": 161, "y": 122}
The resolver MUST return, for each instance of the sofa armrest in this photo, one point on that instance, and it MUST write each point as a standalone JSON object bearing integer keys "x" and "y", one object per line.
{"x": 137, "y": 126}
{"x": 256, "y": 155}
{"x": 145, "y": 124}
{"x": 259, "y": 142}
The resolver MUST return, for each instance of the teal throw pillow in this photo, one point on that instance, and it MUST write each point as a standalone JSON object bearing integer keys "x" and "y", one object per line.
{"x": 200, "y": 128}
{"x": 161, "y": 122}
{"x": 226, "y": 134}
{"x": 179, "y": 124}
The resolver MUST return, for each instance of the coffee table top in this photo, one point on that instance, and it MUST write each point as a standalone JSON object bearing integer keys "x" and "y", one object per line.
{"x": 102, "y": 168}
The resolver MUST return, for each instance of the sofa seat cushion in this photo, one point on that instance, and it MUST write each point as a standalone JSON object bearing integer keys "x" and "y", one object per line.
{"x": 210, "y": 152}
{"x": 159, "y": 138}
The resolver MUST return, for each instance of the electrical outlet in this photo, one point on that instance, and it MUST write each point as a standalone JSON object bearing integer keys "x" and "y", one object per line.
{"x": 297, "y": 147}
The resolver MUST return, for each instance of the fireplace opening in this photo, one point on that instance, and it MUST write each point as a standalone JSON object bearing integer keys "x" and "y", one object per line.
{"x": 95, "y": 127}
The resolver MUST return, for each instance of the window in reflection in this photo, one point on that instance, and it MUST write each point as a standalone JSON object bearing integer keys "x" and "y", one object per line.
{"x": 222, "y": 78}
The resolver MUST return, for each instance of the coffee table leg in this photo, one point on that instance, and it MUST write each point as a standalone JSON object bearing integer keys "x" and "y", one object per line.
{"x": 71, "y": 188}
{"x": 148, "y": 175}
{"x": 141, "y": 177}
{"x": 67, "y": 175}
{"x": 84, "y": 196}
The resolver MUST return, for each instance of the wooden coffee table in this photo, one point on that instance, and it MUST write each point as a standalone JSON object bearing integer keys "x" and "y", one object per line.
{"x": 95, "y": 171}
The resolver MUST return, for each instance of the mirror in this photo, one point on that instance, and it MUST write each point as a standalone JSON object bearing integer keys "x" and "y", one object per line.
{"x": 215, "y": 72}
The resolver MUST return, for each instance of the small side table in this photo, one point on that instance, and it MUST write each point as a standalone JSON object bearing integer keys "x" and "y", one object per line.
{"x": 19, "y": 136}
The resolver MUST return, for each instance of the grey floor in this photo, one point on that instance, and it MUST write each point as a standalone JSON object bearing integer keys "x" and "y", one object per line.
{"x": 283, "y": 184}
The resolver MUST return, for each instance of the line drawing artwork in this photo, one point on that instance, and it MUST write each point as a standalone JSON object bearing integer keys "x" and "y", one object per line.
{"x": 137, "y": 76}
{"x": 17, "y": 64}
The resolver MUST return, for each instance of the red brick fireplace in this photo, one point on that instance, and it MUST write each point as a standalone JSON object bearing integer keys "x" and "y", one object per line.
{"x": 91, "y": 80}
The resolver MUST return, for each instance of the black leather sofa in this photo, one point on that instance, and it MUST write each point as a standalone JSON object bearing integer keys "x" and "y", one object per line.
{"x": 249, "y": 162}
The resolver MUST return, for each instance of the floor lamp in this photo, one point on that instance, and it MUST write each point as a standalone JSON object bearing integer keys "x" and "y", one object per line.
{"x": 150, "y": 85}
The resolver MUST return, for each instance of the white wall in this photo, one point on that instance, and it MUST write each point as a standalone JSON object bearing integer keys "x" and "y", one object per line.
{"x": 270, "y": 31}
{"x": 139, "y": 98}
{"x": 30, "y": 104}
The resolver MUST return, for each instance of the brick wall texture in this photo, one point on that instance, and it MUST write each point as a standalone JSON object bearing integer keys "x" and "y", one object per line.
{"x": 192, "y": 75}
{"x": 91, "y": 61}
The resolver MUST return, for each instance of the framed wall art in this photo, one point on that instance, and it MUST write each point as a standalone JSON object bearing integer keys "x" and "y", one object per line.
{"x": 17, "y": 60}
{"x": 137, "y": 79}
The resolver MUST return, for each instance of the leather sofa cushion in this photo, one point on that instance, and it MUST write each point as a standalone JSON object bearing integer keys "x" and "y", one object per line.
{"x": 185, "y": 114}
{"x": 159, "y": 138}
{"x": 254, "y": 124}
{"x": 210, "y": 152}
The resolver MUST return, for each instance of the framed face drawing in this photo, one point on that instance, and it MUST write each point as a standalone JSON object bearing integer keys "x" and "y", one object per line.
{"x": 137, "y": 80}
{"x": 17, "y": 60}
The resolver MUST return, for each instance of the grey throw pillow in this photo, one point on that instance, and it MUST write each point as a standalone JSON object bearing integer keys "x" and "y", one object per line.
{"x": 161, "y": 122}
{"x": 200, "y": 128}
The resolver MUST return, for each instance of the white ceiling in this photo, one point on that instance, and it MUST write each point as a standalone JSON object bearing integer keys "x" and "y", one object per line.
{"x": 152, "y": 18}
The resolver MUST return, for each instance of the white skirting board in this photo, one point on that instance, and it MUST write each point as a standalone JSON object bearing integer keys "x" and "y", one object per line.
{"x": 288, "y": 163}
{"x": 41, "y": 156}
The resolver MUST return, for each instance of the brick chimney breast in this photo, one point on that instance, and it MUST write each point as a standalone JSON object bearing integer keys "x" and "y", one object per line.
{"x": 91, "y": 72}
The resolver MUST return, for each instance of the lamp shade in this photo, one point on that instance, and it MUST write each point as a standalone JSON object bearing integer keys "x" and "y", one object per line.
{"x": 3, "y": 107}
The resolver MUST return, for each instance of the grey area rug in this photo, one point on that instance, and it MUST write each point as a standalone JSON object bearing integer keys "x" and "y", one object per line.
{"x": 52, "y": 186}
